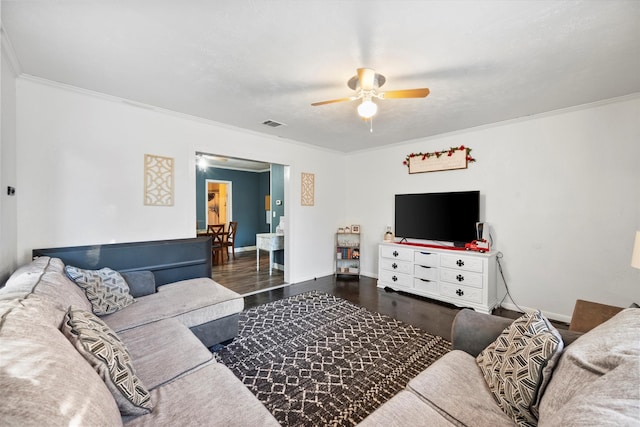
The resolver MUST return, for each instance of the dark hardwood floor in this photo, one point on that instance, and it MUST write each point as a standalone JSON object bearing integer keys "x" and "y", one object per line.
{"x": 429, "y": 315}
{"x": 240, "y": 275}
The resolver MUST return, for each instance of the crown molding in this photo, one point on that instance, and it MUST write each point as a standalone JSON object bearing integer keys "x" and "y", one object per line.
{"x": 473, "y": 129}
{"x": 136, "y": 104}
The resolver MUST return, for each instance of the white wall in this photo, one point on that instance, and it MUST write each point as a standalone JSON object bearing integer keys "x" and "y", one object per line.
{"x": 8, "y": 205}
{"x": 80, "y": 170}
{"x": 561, "y": 191}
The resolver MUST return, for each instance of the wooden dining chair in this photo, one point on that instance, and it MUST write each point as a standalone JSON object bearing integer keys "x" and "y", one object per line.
{"x": 231, "y": 239}
{"x": 218, "y": 239}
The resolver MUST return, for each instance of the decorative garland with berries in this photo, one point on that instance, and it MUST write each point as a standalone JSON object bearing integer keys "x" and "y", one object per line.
{"x": 438, "y": 154}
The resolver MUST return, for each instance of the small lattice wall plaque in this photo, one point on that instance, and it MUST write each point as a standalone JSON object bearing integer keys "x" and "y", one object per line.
{"x": 158, "y": 180}
{"x": 308, "y": 185}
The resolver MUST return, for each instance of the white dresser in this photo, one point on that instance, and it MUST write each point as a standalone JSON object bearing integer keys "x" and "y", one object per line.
{"x": 462, "y": 278}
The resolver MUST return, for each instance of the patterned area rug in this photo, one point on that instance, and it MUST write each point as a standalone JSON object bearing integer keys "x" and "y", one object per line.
{"x": 315, "y": 359}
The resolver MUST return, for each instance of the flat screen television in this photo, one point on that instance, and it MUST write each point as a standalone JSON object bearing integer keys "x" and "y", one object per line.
{"x": 445, "y": 217}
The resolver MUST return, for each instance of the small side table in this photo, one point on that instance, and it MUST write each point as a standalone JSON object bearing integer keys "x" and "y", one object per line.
{"x": 268, "y": 242}
{"x": 587, "y": 315}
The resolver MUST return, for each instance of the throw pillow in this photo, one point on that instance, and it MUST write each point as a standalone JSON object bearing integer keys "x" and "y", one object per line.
{"x": 140, "y": 283}
{"x": 107, "y": 291}
{"x": 102, "y": 348}
{"x": 517, "y": 366}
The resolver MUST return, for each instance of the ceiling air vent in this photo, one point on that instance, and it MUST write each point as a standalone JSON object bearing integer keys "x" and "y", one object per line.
{"x": 272, "y": 123}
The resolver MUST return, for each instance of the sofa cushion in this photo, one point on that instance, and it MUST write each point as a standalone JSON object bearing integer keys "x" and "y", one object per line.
{"x": 518, "y": 365}
{"x": 44, "y": 380}
{"x": 164, "y": 350}
{"x": 597, "y": 377}
{"x": 102, "y": 348}
{"x": 406, "y": 409}
{"x": 454, "y": 386}
{"x": 193, "y": 302}
{"x": 107, "y": 291}
{"x": 208, "y": 396}
{"x": 140, "y": 283}
{"x": 45, "y": 277}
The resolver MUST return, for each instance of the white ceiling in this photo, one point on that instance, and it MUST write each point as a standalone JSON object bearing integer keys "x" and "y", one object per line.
{"x": 242, "y": 62}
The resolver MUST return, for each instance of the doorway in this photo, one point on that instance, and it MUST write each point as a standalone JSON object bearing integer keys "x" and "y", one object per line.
{"x": 218, "y": 180}
{"x": 218, "y": 204}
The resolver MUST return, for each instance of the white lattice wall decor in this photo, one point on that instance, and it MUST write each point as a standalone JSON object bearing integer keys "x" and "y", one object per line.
{"x": 158, "y": 180}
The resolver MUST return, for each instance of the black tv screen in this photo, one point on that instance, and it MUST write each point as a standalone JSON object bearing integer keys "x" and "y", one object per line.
{"x": 449, "y": 217}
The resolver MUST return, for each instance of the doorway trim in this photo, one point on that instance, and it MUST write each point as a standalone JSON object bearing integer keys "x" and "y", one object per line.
{"x": 229, "y": 185}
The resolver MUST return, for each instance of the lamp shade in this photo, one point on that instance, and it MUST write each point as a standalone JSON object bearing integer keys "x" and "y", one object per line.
{"x": 635, "y": 258}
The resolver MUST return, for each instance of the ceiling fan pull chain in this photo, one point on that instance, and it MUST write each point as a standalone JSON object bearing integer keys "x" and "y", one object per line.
{"x": 371, "y": 125}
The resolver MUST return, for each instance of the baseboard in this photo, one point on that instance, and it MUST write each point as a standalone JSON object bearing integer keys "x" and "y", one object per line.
{"x": 549, "y": 315}
{"x": 246, "y": 249}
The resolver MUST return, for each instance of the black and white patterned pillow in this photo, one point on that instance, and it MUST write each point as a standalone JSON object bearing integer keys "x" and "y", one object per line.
{"x": 102, "y": 348}
{"x": 107, "y": 291}
{"x": 518, "y": 365}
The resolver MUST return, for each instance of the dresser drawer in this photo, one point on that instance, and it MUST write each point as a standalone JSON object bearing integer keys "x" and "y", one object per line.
{"x": 396, "y": 252}
{"x": 423, "y": 272}
{"x": 460, "y": 292}
{"x": 426, "y": 286}
{"x": 396, "y": 265}
{"x": 394, "y": 278}
{"x": 426, "y": 258}
{"x": 461, "y": 263}
{"x": 461, "y": 277}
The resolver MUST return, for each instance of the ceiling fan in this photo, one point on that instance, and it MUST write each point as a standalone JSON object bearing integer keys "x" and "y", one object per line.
{"x": 367, "y": 84}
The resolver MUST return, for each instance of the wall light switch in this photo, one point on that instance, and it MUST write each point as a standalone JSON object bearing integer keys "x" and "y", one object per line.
{"x": 11, "y": 191}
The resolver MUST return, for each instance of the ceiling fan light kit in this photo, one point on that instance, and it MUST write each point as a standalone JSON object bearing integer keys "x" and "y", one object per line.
{"x": 367, "y": 109}
{"x": 366, "y": 84}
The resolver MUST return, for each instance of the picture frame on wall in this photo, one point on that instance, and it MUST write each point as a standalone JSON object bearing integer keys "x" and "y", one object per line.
{"x": 355, "y": 229}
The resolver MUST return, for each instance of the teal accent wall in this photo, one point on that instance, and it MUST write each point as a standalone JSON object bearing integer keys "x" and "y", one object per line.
{"x": 247, "y": 202}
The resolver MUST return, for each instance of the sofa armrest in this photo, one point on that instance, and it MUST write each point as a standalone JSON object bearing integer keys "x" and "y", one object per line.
{"x": 472, "y": 332}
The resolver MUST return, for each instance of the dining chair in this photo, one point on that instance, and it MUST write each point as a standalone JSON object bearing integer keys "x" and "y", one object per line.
{"x": 218, "y": 239}
{"x": 231, "y": 239}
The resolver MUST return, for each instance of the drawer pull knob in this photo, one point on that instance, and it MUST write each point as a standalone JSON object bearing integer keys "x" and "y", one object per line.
{"x": 425, "y": 280}
{"x": 395, "y": 253}
{"x": 460, "y": 263}
{"x": 460, "y": 278}
{"x": 459, "y": 292}
{"x": 425, "y": 266}
{"x": 425, "y": 253}
{"x": 394, "y": 278}
{"x": 394, "y": 265}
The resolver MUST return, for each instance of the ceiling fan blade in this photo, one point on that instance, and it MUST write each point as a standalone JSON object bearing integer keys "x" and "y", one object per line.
{"x": 407, "y": 93}
{"x": 367, "y": 77}
{"x": 331, "y": 101}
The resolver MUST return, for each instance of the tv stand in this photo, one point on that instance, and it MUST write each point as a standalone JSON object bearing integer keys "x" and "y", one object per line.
{"x": 465, "y": 279}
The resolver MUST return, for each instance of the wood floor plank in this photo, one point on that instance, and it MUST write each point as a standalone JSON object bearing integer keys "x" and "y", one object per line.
{"x": 240, "y": 275}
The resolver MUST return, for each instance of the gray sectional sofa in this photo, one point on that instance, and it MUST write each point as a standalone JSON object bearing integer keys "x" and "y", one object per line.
{"x": 46, "y": 379}
{"x": 595, "y": 382}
